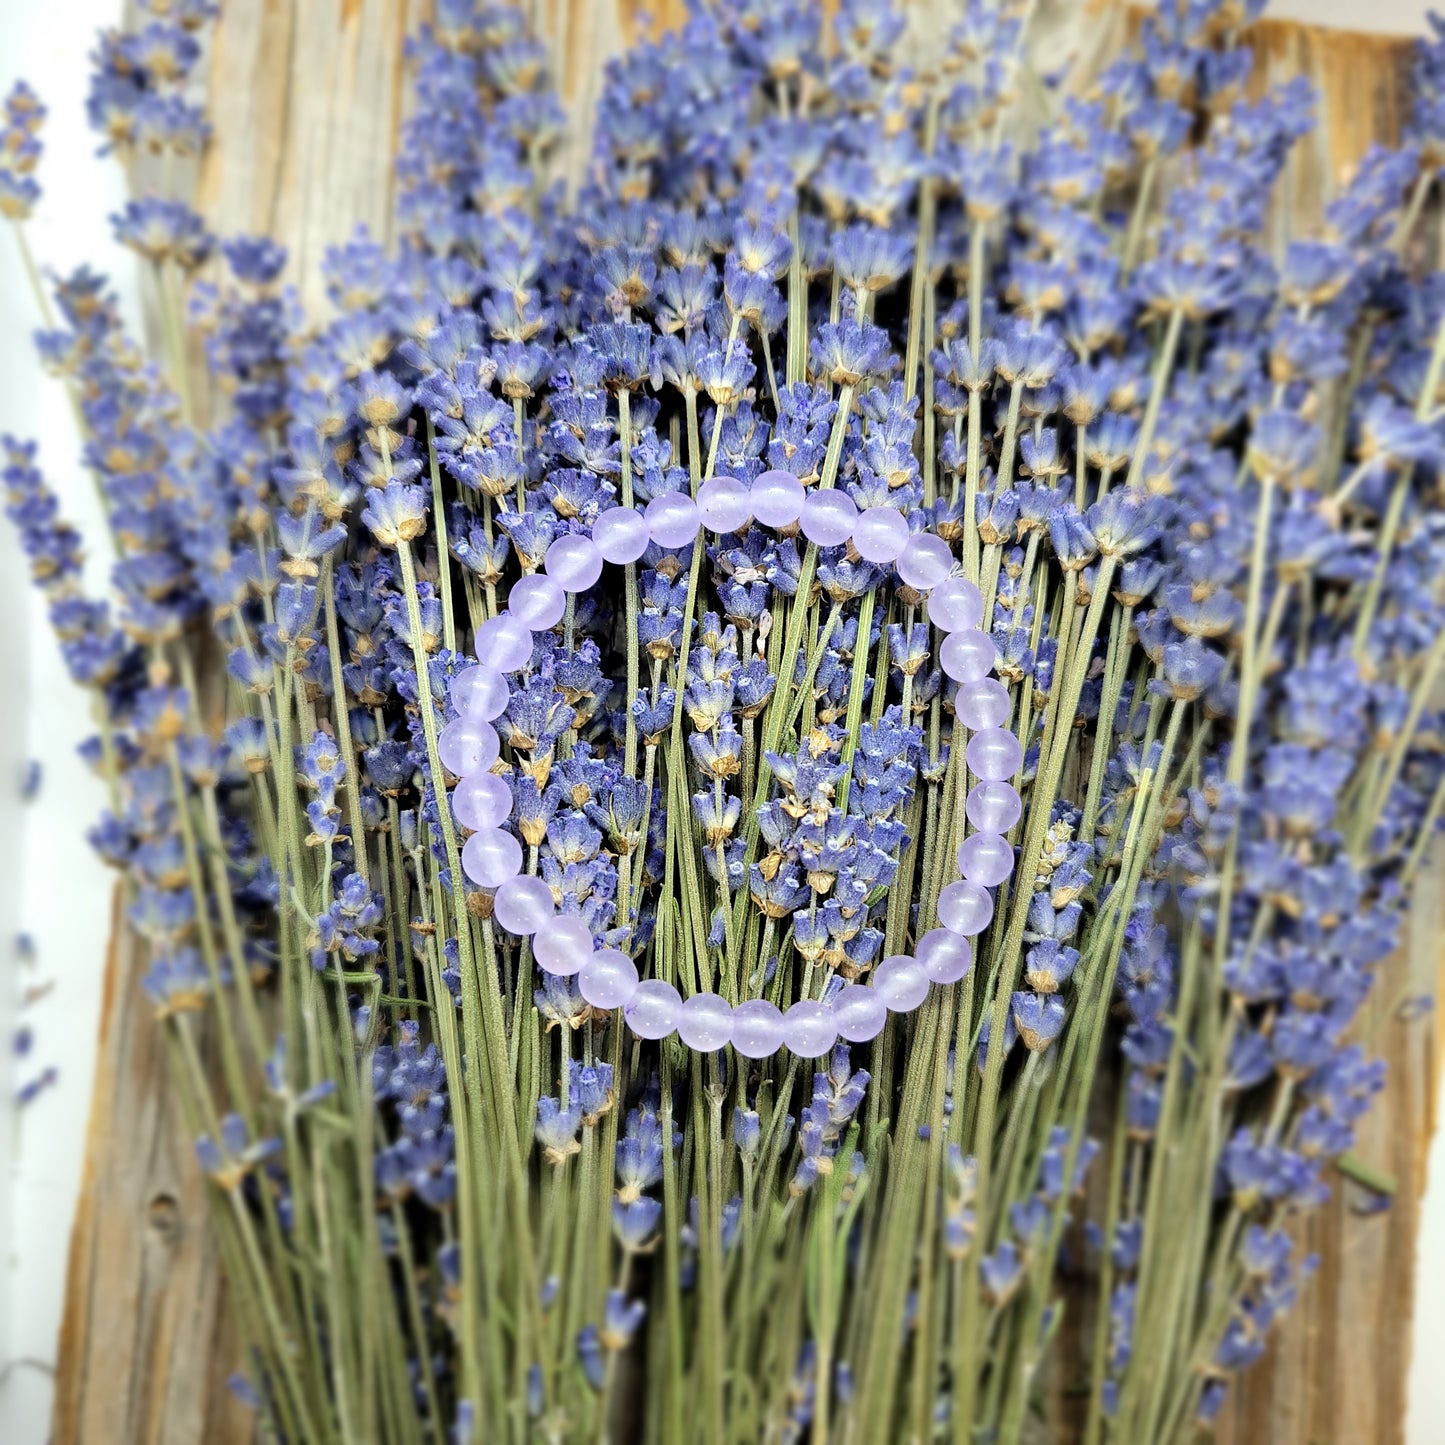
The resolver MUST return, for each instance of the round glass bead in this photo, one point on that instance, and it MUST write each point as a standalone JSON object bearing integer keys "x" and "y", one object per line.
{"x": 925, "y": 561}
{"x": 777, "y": 499}
{"x": 955, "y": 605}
{"x": 653, "y": 1009}
{"x": 901, "y": 983}
{"x": 994, "y": 754}
{"x": 564, "y": 945}
{"x": 880, "y": 534}
{"x": 482, "y": 800}
{"x": 982, "y": 704}
{"x": 621, "y": 534}
{"x": 808, "y": 1029}
{"x": 965, "y": 908}
{"x": 945, "y": 956}
{"x": 967, "y": 656}
{"x": 828, "y": 517}
{"x": 724, "y": 504}
{"x": 757, "y": 1029}
{"x": 705, "y": 1022}
{"x": 575, "y": 561}
{"x": 985, "y": 858}
{"x": 491, "y": 856}
{"x": 672, "y": 519}
{"x": 859, "y": 1013}
{"x": 466, "y": 747}
{"x": 505, "y": 643}
{"x": 480, "y": 693}
{"x": 993, "y": 807}
{"x": 524, "y": 905}
{"x": 608, "y": 979}
{"x": 538, "y": 600}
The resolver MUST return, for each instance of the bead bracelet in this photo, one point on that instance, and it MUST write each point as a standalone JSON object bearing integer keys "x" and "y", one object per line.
{"x": 607, "y": 977}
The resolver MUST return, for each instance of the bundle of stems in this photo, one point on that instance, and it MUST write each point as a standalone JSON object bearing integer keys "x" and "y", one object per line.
{"x": 1194, "y": 482}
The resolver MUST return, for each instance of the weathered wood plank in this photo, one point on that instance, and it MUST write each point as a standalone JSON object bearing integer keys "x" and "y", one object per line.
{"x": 143, "y": 1336}
{"x": 307, "y": 97}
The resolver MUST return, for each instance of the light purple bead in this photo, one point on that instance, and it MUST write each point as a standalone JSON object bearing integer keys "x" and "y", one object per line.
{"x": 901, "y": 983}
{"x": 777, "y": 501}
{"x": 621, "y": 534}
{"x": 480, "y": 693}
{"x": 993, "y": 807}
{"x": 482, "y": 800}
{"x": 859, "y": 1013}
{"x": 491, "y": 856}
{"x": 564, "y": 946}
{"x": 705, "y": 1022}
{"x": 652, "y": 1011}
{"x": 965, "y": 908}
{"x": 505, "y": 643}
{"x": 524, "y": 906}
{"x": 967, "y": 656}
{"x": 538, "y": 600}
{"x": 925, "y": 561}
{"x": 757, "y": 1029}
{"x": 880, "y": 534}
{"x": 724, "y": 504}
{"x": 575, "y": 562}
{"x": 828, "y": 517}
{"x": 672, "y": 519}
{"x": 808, "y": 1029}
{"x": 955, "y": 605}
{"x": 994, "y": 754}
{"x": 466, "y": 747}
{"x": 945, "y": 956}
{"x": 985, "y": 858}
{"x": 982, "y": 704}
{"x": 608, "y": 979}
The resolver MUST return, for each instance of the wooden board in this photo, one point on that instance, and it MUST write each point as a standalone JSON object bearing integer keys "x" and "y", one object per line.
{"x": 145, "y": 1342}
{"x": 307, "y": 97}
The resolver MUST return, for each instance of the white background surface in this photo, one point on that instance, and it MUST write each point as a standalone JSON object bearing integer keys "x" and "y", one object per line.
{"x": 52, "y": 887}
{"x": 51, "y": 884}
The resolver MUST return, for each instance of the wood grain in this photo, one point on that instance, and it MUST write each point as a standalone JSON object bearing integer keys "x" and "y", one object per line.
{"x": 1336, "y": 1372}
{"x": 145, "y": 1346}
{"x": 306, "y": 99}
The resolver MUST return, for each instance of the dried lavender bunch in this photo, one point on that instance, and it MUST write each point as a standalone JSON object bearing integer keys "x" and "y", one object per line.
{"x": 1195, "y": 490}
